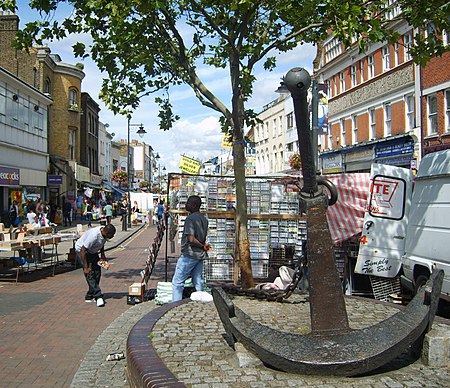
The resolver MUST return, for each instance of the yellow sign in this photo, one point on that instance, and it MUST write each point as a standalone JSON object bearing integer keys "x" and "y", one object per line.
{"x": 189, "y": 166}
{"x": 227, "y": 140}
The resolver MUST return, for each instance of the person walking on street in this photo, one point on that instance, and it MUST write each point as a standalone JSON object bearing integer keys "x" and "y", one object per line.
{"x": 67, "y": 209}
{"x": 88, "y": 247}
{"x": 108, "y": 212}
{"x": 193, "y": 249}
{"x": 160, "y": 211}
{"x": 89, "y": 214}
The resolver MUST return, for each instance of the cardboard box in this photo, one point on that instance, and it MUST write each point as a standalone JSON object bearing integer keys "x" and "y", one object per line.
{"x": 137, "y": 289}
{"x": 136, "y": 293}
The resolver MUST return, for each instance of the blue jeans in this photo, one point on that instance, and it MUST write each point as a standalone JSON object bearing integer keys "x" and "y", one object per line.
{"x": 186, "y": 267}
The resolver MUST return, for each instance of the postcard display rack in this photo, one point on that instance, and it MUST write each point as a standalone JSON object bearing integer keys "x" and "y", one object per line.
{"x": 275, "y": 229}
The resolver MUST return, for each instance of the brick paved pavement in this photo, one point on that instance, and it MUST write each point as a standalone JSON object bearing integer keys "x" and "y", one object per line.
{"x": 51, "y": 338}
{"x": 46, "y": 326}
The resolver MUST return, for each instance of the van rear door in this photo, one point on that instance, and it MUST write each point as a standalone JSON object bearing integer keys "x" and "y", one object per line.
{"x": 382, "y": 242}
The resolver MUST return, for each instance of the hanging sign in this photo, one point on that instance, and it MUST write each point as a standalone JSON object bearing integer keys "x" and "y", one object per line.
{"x": 189, "y": 165}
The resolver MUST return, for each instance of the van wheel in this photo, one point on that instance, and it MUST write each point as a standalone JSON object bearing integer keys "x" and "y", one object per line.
{"x": 419, "y": 282}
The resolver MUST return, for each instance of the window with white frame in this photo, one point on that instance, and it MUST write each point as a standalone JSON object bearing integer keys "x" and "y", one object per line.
{"x": 392, "y": 9}
{"x": 73, "y": 100}
{"x": 330, "y": 138}
{"x": 370, "y": 67}
{"x": 447, "y": 110}
{"x": 2, "y": 103}
{"x": 332, "y": 49}
{"x": 274, "y": 128}
{"x": 386, "y": 58}
{"x": 361, "y": 69}
{"x": 446, "y": 37}
{"x": 342, "y": 81}
{"x": 410, "y": 113}
{"x": 329, "y": 91}
{"x": 335, "y": 86}
{"x": 373, "y": 123}
{"x": 343, "y": 129}
{"x": 432, "y": 114}
{"x": 387, "y": 119}
{"x": 355, "y": 129}
{"x": 407, "y": 43}
{"x": 72, "y": 143}
{"x": 267, "y": 130}
{"x": 396, "y": 55}
{"x": 280, "y": 125}
{"x": 290, "y": 120}
{"x": 353, "y": 75}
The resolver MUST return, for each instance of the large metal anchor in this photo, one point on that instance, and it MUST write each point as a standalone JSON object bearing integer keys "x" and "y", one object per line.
{"x": 332, "y": 347}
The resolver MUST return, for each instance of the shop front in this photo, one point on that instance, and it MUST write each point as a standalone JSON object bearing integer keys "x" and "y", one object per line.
{"x": 358, "y": 159}
{"x": 20, "y": 185}
{"x": 396, "y": 152}
{"x": 332, "y": 163}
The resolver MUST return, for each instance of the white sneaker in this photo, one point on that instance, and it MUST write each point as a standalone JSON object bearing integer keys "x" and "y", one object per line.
{"x": 100, "y": 302}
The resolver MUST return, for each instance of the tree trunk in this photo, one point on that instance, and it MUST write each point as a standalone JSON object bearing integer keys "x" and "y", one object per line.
{"x": 245, "y": 265}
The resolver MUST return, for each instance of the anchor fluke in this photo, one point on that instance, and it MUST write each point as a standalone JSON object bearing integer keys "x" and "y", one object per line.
{"x": 343, "y": 354}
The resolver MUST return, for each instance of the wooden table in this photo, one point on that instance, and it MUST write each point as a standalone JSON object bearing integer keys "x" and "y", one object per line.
{"x": 31, "y": 242}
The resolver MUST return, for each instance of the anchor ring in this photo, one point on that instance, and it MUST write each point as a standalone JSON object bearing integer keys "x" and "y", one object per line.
{"x": 331, "y": 188}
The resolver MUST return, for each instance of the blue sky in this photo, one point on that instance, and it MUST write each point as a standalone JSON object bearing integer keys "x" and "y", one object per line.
{"x": 197, "y": 133}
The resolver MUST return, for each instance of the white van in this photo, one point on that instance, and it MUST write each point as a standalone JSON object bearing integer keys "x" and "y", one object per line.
{"x": 408, "y": 231}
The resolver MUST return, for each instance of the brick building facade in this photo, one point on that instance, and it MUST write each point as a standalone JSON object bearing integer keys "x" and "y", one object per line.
{"x": 375, "y": 104}
{"x": 62, "y": 83}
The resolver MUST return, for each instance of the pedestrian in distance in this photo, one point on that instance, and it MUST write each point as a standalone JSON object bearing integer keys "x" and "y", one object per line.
{"x": 67, "y": 210}
{"x": 13, "y": 215}
{"x": 108, "y": 209}
{"x": 90, "y": 251}
{"x": 160, "y": 211}
{"x": 193, "y": 249}
{"x": 88, "y": 214}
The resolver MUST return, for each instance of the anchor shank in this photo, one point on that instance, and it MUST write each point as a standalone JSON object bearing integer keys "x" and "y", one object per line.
{"x": 327, "y": 306}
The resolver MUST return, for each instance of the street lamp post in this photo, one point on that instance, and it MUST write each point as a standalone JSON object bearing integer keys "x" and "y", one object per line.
{"x": 157, "y": 160}
{"x": 141, "y": 132}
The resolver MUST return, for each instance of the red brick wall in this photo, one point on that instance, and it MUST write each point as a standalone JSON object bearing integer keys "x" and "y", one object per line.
{"x": 398, "y": 118}
{"x": 363, "y": 127}
{"x": 437, "y": 71}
